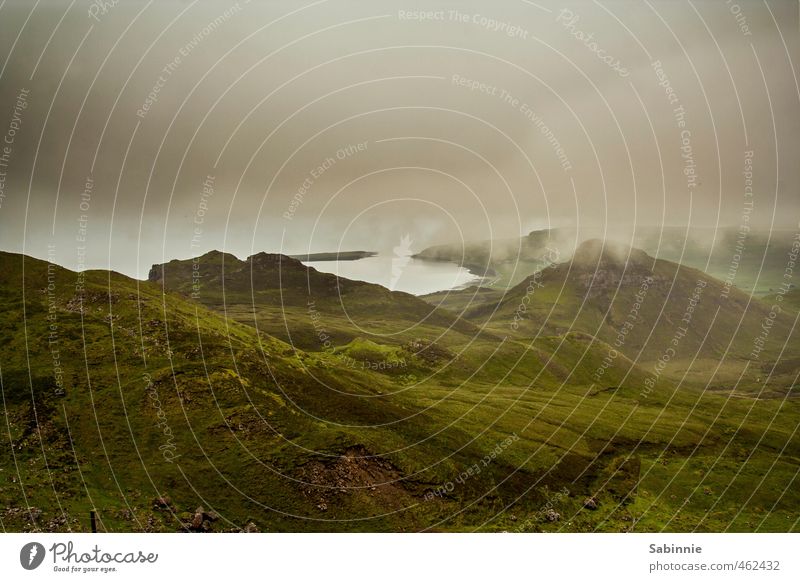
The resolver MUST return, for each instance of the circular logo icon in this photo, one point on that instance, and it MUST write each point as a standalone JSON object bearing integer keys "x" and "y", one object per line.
{"x": 31, "y": 555}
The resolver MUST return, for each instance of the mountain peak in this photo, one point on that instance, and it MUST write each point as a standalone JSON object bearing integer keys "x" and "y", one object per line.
{"x": 597, "y": 252}
{"x": 264, "y": 259}
{"x": 213, "y": 257}
{"x": 214, "y": 253}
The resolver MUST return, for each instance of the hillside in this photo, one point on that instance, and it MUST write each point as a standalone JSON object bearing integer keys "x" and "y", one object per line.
{"x": 156, "y": 406}
{"x": 147, "y": 405}
{"x": 650, "y": 310}
{"x": 300, "y": 305}
{"x": 753, "y": 261}
{"x": 116, "y": 394}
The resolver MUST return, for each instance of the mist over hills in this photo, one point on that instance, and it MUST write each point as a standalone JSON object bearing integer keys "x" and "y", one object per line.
{"x": 667, "y": 318}
{"x": 605, "y": 283}
{"x": 751, "y": 259}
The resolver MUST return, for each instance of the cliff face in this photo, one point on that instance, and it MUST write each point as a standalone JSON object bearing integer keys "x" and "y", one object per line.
{"x": 155, "y": 274}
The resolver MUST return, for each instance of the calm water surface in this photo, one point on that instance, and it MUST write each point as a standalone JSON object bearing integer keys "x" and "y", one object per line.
{"x": 400, "y": 273}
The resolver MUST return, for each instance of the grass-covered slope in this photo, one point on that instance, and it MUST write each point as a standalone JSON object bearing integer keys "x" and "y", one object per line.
{"x": 309, "y": 309}
{"x": 648, "y": 309}
{"x": 154, "y": 395}
{"x": 115, "y": 394}
{"x": 752, "y": 260}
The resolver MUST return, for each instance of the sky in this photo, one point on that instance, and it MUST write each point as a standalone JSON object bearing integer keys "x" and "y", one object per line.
{"x": 138, "y": 132}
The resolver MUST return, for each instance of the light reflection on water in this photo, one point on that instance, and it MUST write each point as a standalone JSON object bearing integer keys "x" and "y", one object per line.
{"x": 413, "y": 276}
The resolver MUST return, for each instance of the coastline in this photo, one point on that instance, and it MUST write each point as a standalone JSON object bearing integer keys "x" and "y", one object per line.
{"x": 335, "y": 256}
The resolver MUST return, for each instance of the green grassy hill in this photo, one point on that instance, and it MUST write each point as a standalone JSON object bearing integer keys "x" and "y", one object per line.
{"x": 118, "y": 395}
{"x": 753, "y": 261}
{"x": 671, "y": 320}
{"x": 309, "y": 309}
{"x": 608, "y": 289}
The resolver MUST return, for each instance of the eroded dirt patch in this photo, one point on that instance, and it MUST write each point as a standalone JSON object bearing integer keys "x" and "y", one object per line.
{"x": 357, "y": 477}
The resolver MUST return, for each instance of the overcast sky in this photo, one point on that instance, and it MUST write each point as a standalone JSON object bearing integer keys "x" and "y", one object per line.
{"x": 237, "y": 126}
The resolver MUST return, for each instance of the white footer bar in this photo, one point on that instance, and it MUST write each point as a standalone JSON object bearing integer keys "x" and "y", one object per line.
{"x": 371, "y": 557}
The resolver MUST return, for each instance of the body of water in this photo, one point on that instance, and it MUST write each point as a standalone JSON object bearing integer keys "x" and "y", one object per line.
{"x": 400, "y": 273}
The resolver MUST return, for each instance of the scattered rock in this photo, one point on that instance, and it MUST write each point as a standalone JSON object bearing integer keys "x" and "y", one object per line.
{"x": 356, "y": 475}
{"x": 163, "y": 502}
{"x": 590, "y": 503}
{"x": 251, "y": 528}
{"x": 552, "y": 515}
{"x": 197, "y": 521}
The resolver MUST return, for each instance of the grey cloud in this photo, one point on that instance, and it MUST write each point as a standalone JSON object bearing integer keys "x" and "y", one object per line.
{"x": 441, "y": 161}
